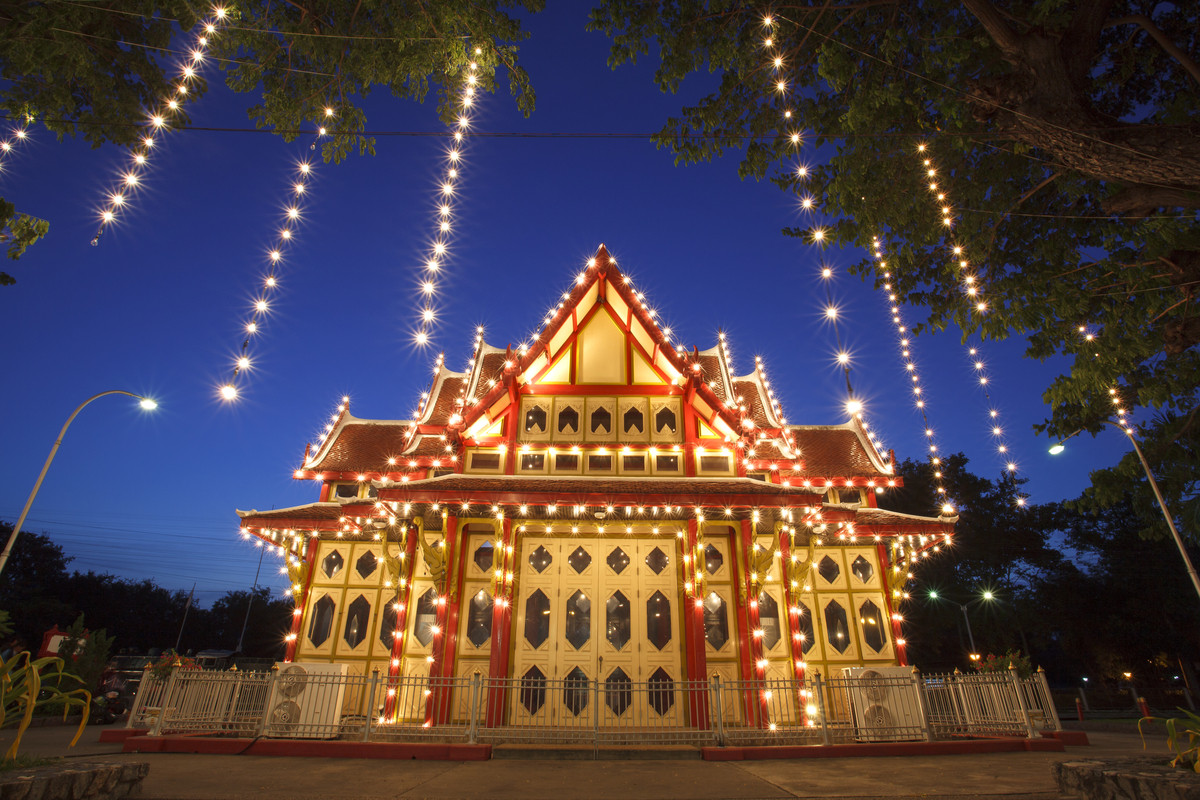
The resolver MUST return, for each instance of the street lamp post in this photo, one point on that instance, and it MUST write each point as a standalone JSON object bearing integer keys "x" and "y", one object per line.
{"x": 1058, "y": 447}
{"x": 970, "y": 636}
{"x": 145, "y": 402}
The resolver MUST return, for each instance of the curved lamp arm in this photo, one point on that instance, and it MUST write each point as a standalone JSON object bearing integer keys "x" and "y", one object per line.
{"x": 146, "y": 403}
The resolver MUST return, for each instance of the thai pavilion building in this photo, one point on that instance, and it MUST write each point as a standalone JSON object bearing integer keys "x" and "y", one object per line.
{"x": 602, "y": 506}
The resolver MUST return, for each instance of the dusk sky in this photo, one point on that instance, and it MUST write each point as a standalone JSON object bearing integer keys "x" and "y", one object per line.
{"x": 158, "y": 306}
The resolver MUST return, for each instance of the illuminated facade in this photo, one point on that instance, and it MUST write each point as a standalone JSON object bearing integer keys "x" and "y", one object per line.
{"x": 603, "y": 506}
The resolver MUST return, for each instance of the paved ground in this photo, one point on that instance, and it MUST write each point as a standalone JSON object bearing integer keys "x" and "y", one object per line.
{"x": 1013, "y": 776}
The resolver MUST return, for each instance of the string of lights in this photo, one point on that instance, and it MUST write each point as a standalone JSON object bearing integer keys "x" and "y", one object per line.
{"x": 16, "y": 136}
{"x": 158, "y": 122}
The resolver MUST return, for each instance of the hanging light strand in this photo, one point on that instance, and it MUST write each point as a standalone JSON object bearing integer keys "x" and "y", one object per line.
{"x": 263, "y": 303}
{"x": 158, "y": 121}
{"x": 447, "y": 194}
{"x": 972, "y": 291}
{"x": 17, "y": 136}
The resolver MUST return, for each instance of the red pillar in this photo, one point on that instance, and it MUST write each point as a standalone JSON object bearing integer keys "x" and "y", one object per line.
{"x": 796, "y": 647}
{"x": 501, "y": 629}
{"x": 441, "y": 670}
{"x": 749, "y": 644}
{"x": 301, "y": 602}
{"x": 693, "y": 631}
{"x": 403, "y": 599}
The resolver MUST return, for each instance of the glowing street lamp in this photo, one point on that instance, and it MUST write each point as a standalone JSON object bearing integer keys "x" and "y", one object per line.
{"x": 1059, "y": 446}
{"x": 144, "y": 402}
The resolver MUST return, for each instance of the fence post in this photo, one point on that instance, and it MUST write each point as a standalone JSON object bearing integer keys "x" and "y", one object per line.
{"x": 262, "y": 723}
{"x": 156, "y": 729}
{"x": 596, "y": 712}
{"x": 366, "y": 735}
{"x": 1048, "y": 698}
{"x": 139, "y": 698}
{"x": 922, "y": 705}
{"x": 821, "y": 706}
{"x": 1015, "y": 682}
{"x": 474, "y": 718}
{"x": 1083, "y": 697}
{"x": 718, "y": 709}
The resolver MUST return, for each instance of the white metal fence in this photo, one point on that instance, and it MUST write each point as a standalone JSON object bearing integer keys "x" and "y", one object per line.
{"x": 324, "y": 702}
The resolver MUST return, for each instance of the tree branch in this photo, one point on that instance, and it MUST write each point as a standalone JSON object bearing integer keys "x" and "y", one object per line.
{"x": 993, "y": 22}
{"x": 1164, "y": 42}
{"x": 1139, "y": 200}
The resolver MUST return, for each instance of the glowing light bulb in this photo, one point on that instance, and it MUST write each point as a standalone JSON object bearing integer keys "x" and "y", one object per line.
{"x": 229, "y": 392}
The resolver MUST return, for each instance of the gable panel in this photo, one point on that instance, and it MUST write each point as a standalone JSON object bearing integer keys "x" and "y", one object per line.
{"x": 600, "y": 352}
{"x": 560, "y": 372}
{"x": 643, "y": 373}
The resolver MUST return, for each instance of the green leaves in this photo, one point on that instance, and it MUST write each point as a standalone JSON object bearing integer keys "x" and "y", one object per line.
{"x": 26, "y": 684}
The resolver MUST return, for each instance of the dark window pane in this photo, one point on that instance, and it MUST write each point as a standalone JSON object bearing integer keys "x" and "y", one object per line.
{"x": 579, "y": 619}
{"x": 346, "y": 490}
{"x": 633, "y": 463}
{"x": 322, "y": 621}
{"x": 600, "y": 463}
{"x": 537, "y": 618}
{"x": 618, "y": 691}
{"x": 829, "y": 569}
{"x": 617, "y": 560}
{"x": 633, "y": 421}
{"x": 366, "y": 564}
{"x": 716, "y": 620}
{"x": 484, "y": 555}
{"x": 862, "y": 569}
{"x": 601, "y": 421}
{"x": 566, "y": 461}
{"x": 616, "y": 620}
{"x": 479, "y": 619}
{"x": 807, "y": 637}
{"x": 657, "y": 560}
{"x": 568, "y": 421}
{"x": 535, "y": 420}
{"x": 667, "y": 463}
{"x": 387, "y": 625}
{"x": 664, "y": 420}
{"x": 768, "y": 620}
{"x": 426, "y": 617}
{"x": 540, "y": 558}
{"x": 485, "y": 461}
{"x": 838, "y": 631}
{"x": 658, "y": 620}
{"x": 575, "y": 691}
{"x": 533, "y": 461}
{"x": 713, "y": 560}
{"x": 533, "y": 690}
{"x": 579, "y": 559}
{"x": 714, "y": 463}
{"x": 358, "y": 615}
{"x": 332, "y": 564}
{"x": 662, "y": 691}
{"x": 874, "y": 633}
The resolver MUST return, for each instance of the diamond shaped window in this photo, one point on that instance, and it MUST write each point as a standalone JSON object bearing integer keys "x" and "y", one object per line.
{"x": 807, "y": 637}
{"x": 768, "y": 620}
{"x": 387, "y": 625}
{"x": 532, "y": 693}
{"x": 617, "y": 560}
{"x": 658, "y": 620}
{"x": 479, "y": 619}
{"x": 484, "y": 556}
{"x": 716, "y": 620}
{"x": 657, "y": 560}
{"x": 618, "y": 691}
{"x": 874, "y": 633}
{"x": 540, "y": 558}
{"x": 662, "y": 691}
{"x": 426, "y": 617}
{"x": 322, "y": 621}
{"x": 537, "y": 618}
{"x": 358, "y": 614}
{"x": 713, "y": 560}
{"x": 836, "y": 626}
{"x": 862, "y": 569}
{"x": 829, "y": 569}
{"x": 616, "y": 620}
{"x": 575, "y": 691}
{"x": 579, "y": 619}
{"x": 366, "y": 564}
{"x": 579, "y": 559}
{"x": 332, "y": 564}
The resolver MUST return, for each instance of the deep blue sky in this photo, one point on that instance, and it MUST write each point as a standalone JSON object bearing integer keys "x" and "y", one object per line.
{"x": 157, "y": 307}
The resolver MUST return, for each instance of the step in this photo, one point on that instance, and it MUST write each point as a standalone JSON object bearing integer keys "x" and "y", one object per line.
{"x": 581, "y": 752}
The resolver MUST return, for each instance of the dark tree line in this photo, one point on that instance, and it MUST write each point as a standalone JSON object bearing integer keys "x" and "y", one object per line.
{"x": 39, "y": 591}
{"x": 1076, "y": 587}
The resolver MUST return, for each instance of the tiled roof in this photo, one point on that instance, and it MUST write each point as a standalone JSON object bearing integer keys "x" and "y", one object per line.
{"x": 312, "y": 511}
{"x": 362, "y": 446}
{"x": 449, "y": 389}
{"x": 834, "y": 451}
{"x": 880, "y": 516}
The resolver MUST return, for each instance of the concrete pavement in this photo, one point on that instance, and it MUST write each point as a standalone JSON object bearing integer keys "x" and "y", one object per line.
{"x": 1021, "y": 775}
